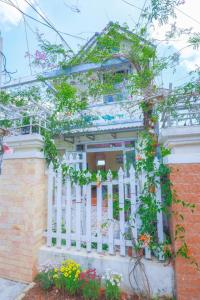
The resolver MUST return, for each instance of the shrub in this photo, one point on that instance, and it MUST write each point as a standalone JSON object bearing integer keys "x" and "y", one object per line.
{"x": 67, "y": 277}
{"x": 45, "y": 277}
{"x": 90, "y": 284}
{"x": 112, "y": 285}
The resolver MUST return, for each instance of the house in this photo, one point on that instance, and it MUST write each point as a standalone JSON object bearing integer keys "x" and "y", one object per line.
{"x": 89, "y": 220}
{"x": 109, "y": 139}
{"x": 74, "y": 225}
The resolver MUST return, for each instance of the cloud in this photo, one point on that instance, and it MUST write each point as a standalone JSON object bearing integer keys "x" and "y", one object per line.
{"x": 10, "y": 15}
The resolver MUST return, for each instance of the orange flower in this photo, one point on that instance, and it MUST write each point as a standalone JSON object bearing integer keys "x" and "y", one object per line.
{"x": 145, "y": 239}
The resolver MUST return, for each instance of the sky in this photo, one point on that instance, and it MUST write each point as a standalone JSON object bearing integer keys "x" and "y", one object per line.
{"x": 83, "y": 18}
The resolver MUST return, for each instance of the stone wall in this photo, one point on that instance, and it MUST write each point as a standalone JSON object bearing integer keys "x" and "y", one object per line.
{"x": 22, "y": 208}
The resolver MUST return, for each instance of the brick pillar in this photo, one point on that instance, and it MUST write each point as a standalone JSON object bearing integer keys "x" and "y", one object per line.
{"x": 22, "y": 207}
{"x": 184, "y": 161}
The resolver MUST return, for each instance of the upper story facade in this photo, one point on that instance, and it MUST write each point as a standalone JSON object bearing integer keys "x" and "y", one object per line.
{"x": 111, "y": 110}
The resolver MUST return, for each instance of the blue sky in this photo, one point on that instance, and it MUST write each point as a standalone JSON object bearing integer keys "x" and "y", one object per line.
{"x": 93, "y": 17}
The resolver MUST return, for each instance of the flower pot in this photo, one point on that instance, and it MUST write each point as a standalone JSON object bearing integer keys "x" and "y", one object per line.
{"x": 102, "y": 292}
{"x": 130, "y": 251}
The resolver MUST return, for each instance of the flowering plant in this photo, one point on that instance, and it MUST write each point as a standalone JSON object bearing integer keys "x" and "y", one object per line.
{"x": 90, "y": 284}
{"x": 7, "y": 149}
{"x": 45, "y": 276}
{"x": 67, "y": 276}
{"x": 112, "y": 285}
{"x": 145, "y": 239}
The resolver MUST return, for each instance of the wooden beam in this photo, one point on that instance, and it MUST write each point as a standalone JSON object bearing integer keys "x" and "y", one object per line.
{"x": 90, "y": 136}
{"x": 114, "y": 135}
{"x": 69, "y": 139}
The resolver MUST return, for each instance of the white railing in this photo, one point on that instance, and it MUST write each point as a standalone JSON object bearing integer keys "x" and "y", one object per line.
{"x": 182, "y": 115}
{"x": 86, "y": 216}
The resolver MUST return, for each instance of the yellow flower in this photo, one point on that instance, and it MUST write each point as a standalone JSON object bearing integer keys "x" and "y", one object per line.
{"x": 62, "y": 269}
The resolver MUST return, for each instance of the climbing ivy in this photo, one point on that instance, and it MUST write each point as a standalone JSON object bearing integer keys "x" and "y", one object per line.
{"x": 141, "y": 55}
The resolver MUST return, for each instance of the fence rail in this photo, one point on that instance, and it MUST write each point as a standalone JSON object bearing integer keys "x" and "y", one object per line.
{"x": 94, "y": 216}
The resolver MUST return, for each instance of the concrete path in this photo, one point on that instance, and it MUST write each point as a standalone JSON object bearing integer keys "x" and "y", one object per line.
{"x": 9, "y": 289}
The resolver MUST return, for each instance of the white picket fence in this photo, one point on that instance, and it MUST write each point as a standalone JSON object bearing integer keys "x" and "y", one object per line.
{"x": 82, "y": 216}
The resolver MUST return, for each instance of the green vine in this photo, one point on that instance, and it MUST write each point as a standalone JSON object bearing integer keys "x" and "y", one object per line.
{"x": 69, "y": 103}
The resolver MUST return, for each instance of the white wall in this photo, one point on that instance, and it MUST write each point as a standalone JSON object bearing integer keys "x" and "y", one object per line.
{"x": 184, "y": 143}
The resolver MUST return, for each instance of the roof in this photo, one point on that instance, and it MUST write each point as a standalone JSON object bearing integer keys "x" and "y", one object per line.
{"x": 81, "y": 68}
{"x": 93, "y": 40}
{"x": 129, "y": 125}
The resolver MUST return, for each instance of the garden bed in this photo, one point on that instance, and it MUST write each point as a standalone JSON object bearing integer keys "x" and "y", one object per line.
{"x": 37, "y": 293}
{"x": 69, "y": 280}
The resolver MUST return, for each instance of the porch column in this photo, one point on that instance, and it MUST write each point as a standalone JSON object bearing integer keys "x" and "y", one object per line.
{"x": 22, "y": 207}
{"x": 184, "y": 161}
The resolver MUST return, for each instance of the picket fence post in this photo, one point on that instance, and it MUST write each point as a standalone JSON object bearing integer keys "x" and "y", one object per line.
{"x": 133, "y": 203}
{"x": 110, "y": 214}
{"x": 88, "y": 216}
{"x": 68, "y": 212}
{"x": 99, "y": 213}
{"x": 50, "y": 205}
{"x": 143, "y": 181}
{"x": 121, "y": 213}
{"x": 159, "y": 212}
{"x": 59, "y": 206}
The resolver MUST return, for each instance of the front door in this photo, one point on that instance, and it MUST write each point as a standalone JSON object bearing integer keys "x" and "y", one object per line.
{"x": 110, "y": 156}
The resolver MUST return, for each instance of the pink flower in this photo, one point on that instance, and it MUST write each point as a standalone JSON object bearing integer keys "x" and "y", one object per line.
{"x": 7, "y": 149}
{"x": 138, "y": 157}
{"x": 40, "y": 55}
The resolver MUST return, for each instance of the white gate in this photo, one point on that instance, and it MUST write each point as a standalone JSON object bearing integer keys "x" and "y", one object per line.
{"x": 85, "y": 216}
{"x": 75, "y": 159}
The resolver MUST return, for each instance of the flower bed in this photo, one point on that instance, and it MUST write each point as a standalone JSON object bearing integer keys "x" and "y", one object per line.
{"x": 70, "y": 281}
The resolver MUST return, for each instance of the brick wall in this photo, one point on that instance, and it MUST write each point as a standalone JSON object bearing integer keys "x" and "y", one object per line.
{"x": 186, "y": 181}
{"x": 22, "y": 216}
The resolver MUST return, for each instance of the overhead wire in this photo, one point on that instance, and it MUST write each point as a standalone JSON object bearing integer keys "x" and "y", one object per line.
{"x": 73, "y": 8}
{"x": 38, "y": 21}
{"x": 195, "y": 20}
{"x": 142, "y": 10}
{"x": 131, "y": 4}
{"x": 27, "y": 42}
{"x": 27, "y": 45}
{"x": 49, "y": 23}
{"x": 71, "y": 35}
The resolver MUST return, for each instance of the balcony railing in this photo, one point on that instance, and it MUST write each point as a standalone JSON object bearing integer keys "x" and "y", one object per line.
{"x": 182, "y": 115}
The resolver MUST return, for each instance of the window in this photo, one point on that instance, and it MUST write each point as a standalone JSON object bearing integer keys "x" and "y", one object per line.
{"x": 119, "y": 92}
{"x": 80, "y": 147}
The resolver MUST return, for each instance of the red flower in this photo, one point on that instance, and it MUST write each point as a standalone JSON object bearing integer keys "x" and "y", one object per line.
{"x": 89, "y": 274}
{"x": 7, "y": 149}
{"x": 138, "y": 157}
